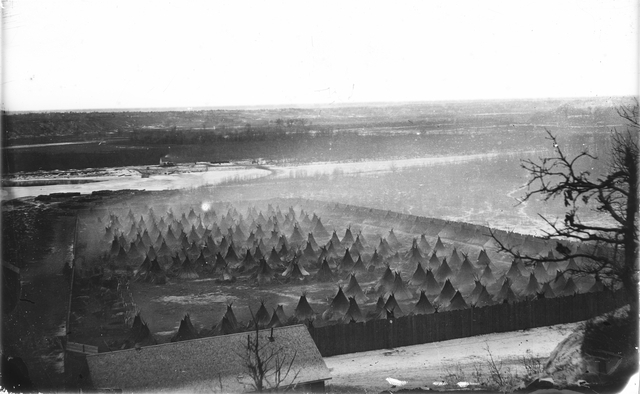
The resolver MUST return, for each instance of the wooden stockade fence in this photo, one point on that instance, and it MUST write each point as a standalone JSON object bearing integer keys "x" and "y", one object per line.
{"x": 417, "y": 329}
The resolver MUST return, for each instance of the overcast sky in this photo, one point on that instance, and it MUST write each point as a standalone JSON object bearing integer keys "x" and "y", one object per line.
{"x": 143, "y": 54}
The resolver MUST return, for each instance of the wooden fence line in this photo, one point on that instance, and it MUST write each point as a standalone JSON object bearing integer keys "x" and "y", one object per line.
{"x": 417, "y": 329}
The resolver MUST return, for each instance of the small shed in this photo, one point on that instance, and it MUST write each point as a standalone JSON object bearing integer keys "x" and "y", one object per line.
{"x": 214, "y": 364}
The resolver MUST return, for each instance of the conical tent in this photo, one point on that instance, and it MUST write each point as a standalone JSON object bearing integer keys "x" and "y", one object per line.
{"x": 546, "y": 291}
{"x": 250, "y": 239}
{"x": 456, "y": 303}
{"x": 187, "y": 270}
{"x": 201, "y": 264}
{"x": 424, "y": 245}
{"x": 325, "y": 274}
{"x": 483, "y": 259}
{"x": 376, "y": 259}
{"x": 357, "y": 245}
{"x": 400, "y": 289}
{"x": 186, "y": 331}
{"x": 380, "y": 304}
{"x": 419, "y": 277}
{"x": 133, "y": 251}
{"x": 231, "y": 317}
{"x": 597, "y": 286}
{"x": 392, "y": 306}
{"x": 319, "y": 230}
{"x": 569, "y": 289}
{"x": 284, "y": 319}
{"x": 309, "y": 252}
{"x": 274, "y": 258}
{"x": 572, "y": 267}
{"x": 296, "y": 236}
{"x": 552, "y": 268}
{"x": 140, "y": 335}
{"x": 423, "y": 306}
{"x": 121, "y": 258}
{"x": 156, "y": 274}
{"x": 294, "y": 271}
{"x": 193, "y": 235}
{"x": 164, "y": 249}
{"x": 331, "y": 250}
{"x": 443, "y": 272}
{"x": 260, "y": 250}
{"x": 385, "y": 283}
{"x": 559, "y": 282}
{"x": 446, "y": 294}
{"x": 414, "y": 256}
{"x": 393, "y": 240}
{"x": 259, "y": 232}
{"x": 312, "y": 241}
{"x": 454, "y": 260}
{"x": 384, "y": 249}
{"x": 431, "y": 285}
{"x": 487, "y": 277}
{"x": 348, "y": 240}
{"x": 262, "y": 317}
{"x": 275, "y": 321}
{"x": 532, "y": 286}
{"x": 248, "y": 262}
{"x": 335, "y": 240}
{"x": 144, "y": 267}
{"x": 283, "y": 250}
{"x": 353, "y": 314}
{"x": 323, "y": 255}
{"x": 434, "y": 262}
{"x": 347, "y": 261}
{"x": 224, "y": 245}
{"x": 473, "y": 297}
{"x": 359, "y": 265}
{"x": 303, "y": 310}
{"x": 193, "y": 250}
{"x": 505, "y": 292}
{"x": 338, "y": 307}
{"x": 353, "y": 289}
{"x": 231, "y": 257}
{"x": 305, "y": 221}
{"x": 483, "y": 299}
{"x": 264, "y": 274}
{"x": 283, "y": 245}
{"x": 466, "y": 273}
{"x": 176, "y": 263}
{"x": 220, "y": 264}
{"x": 224, "y": 327}
{"x": 514, "y": 271}
{"x": 540, "y": 272}
{"x": 439, "y": 246}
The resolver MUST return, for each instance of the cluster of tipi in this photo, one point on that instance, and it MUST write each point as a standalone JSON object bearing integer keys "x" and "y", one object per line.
{"x": 194, "y": 245}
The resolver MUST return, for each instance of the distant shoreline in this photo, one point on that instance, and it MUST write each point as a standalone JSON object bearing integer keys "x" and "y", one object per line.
{"x": 601, "y": 99}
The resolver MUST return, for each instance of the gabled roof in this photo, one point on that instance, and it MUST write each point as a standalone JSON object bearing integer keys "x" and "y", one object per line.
{"x": 208, "y": 364}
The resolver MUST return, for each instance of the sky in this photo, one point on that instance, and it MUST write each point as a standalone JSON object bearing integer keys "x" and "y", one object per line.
{"x": 80, "y": 54}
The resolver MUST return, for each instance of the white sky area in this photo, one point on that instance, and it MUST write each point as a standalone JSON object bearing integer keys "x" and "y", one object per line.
{"x": 153, "y": 54}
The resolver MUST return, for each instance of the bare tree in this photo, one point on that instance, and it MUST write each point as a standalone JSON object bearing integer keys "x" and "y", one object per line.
{"x": 267, "y": 363}
{"x": 608, "y": 250}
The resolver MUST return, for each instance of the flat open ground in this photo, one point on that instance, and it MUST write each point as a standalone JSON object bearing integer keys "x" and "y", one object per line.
{"x": 422, "y": 365}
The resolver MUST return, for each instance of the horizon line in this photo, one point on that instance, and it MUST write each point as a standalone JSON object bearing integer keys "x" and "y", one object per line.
{"x": 309, "y": 105}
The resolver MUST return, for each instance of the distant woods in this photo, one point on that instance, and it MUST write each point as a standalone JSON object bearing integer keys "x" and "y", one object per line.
{"x": 198, "y": 126}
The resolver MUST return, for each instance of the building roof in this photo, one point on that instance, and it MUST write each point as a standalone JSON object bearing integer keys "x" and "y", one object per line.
{"x": 209, "y": 364}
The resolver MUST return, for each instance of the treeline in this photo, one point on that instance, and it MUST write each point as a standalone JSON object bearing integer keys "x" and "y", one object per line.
{"x": 191, "y": 136}
{"x": 210, "y": 125}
